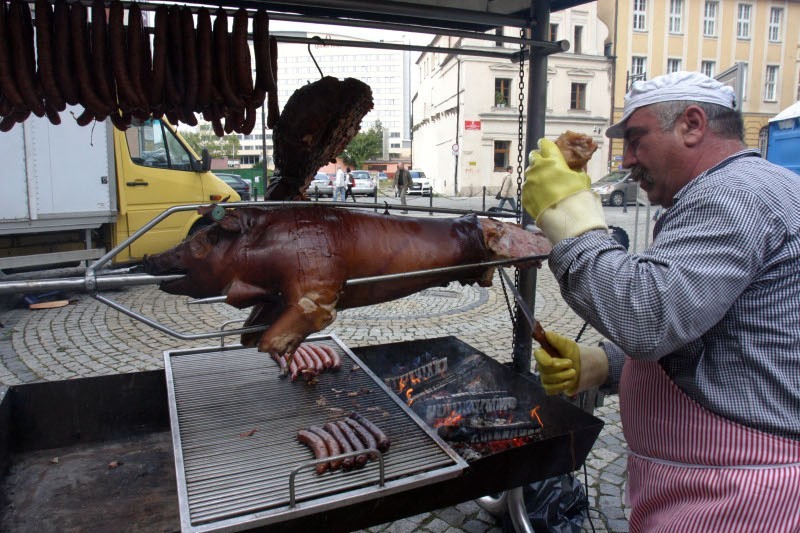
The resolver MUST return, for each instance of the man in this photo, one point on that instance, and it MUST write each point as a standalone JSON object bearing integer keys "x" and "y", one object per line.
{"x": 505, "y": 190}
{"x": 703, "y": 327}
{"x": 339, "y": 184}
{"x": 402, "y": 180}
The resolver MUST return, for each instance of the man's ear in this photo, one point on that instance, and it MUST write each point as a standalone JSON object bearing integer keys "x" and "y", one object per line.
{"x": 693, "y": 125}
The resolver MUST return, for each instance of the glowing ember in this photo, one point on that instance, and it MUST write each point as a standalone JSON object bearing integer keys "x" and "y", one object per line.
{"x": 454, "y": 419}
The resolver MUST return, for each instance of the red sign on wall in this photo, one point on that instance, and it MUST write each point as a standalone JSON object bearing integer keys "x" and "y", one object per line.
{"x": 472, "y": 124}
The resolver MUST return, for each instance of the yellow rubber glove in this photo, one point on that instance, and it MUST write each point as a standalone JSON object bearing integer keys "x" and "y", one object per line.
{"x": 579, "y": 368}
{"x": 559, "y": 198}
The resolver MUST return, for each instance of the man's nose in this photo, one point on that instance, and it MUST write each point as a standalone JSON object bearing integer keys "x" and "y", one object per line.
{"x": 628, "y": 155}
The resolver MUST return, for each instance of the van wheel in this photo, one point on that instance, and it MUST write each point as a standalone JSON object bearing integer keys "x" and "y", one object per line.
{"x": 617, "y": 199}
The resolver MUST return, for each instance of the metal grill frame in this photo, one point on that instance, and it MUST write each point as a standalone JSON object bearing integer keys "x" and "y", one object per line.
{"x": 315, "y": 505}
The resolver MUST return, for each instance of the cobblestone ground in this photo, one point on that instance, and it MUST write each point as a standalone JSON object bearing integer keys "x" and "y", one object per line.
{"x": 88, "y": 338}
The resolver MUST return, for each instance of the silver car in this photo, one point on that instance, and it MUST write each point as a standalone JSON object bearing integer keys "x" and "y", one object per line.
{"x": 321, "y": 185}
{"x": 617, "y": 186}
{"x": 365, "y": 185}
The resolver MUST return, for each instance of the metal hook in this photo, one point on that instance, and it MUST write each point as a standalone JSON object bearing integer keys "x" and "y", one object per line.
{"x": 321, "y": 42}
{"x": 385, "y": 207}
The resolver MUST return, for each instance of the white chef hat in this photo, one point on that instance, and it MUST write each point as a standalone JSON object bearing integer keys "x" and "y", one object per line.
{"x": 692, "y": 86}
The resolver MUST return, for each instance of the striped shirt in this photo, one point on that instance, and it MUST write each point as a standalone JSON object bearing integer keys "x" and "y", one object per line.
{"x": 715, "y": 299}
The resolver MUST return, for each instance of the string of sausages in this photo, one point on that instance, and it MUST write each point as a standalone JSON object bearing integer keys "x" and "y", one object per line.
{"x": 68, "y": 54}
{"x": 347, "y": 436}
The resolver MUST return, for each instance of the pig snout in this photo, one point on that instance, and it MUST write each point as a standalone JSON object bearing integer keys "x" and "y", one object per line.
{"x": 170, "y": 262}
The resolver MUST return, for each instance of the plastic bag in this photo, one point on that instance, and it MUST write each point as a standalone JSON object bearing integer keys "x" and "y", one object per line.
{"x": 558, "y": 504}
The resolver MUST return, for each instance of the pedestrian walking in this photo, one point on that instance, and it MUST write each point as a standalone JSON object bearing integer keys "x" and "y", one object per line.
{"x": 339, "y": 185}
{"x": 505, "y": 194}
{"x": 402, "y": 181}
{"x": 351, "y": 182}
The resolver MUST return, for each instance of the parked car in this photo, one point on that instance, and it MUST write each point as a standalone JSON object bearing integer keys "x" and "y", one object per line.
{"x": 321, "y": 184}
{"x": 365, "y": 185}
{"x": 382, "y": 176}
{"x": 237, "y": 184}
{"x": 615, "y": 186}
{"x": 420, "y": 184}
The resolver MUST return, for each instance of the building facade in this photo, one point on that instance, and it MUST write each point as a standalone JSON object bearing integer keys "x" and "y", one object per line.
{"x": 385, "y": 71}
{"x": 649, "y": 38}
{"x": 465, "y": 113}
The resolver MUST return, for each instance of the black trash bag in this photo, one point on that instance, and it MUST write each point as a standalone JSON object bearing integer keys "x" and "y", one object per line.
{"x": 558, "y": 504}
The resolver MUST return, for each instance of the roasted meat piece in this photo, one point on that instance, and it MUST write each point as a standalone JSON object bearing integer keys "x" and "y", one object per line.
{"x": 577, "y": 149}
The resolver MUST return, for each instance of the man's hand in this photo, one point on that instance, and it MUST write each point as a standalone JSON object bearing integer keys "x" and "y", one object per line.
{"x": 578, "y": 368}
{"x": 559, "y": 198}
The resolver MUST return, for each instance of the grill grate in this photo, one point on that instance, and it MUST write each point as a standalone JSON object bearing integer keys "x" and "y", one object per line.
{"x": 229, "y": 474}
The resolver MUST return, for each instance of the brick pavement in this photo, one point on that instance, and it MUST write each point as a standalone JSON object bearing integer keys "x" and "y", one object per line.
{"x": 88, "y": 338}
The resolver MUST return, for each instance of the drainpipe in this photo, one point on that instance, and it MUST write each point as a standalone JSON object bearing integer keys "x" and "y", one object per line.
{"x": 458, "y": 119}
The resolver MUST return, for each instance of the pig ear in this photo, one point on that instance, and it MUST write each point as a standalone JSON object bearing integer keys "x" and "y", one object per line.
{"x": 227, "y": 220}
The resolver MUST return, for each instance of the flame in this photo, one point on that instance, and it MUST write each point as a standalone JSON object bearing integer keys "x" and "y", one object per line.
{"x": 535, "y": 415}
{"x": 453, "y": 419}
{"x": 408, "y": 396}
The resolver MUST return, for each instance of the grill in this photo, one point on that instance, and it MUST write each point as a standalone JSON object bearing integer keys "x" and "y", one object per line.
{"x": 234, "y": 428}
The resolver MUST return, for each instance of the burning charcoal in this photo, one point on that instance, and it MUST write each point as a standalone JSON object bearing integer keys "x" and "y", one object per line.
{"x": 426, "y": 371}
{"x": 466, "y": 404}
{"x": 475, "y": 432}
{"x": 470, "y": 366}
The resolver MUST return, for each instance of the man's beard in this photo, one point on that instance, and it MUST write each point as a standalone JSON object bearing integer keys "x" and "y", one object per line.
{"x": 640, "y": 174}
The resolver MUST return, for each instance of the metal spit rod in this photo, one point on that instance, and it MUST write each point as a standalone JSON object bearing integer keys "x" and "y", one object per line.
{"x": 92, "y": 282}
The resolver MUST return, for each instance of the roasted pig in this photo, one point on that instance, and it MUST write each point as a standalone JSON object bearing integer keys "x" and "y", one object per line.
{"x": 291, "y": 263}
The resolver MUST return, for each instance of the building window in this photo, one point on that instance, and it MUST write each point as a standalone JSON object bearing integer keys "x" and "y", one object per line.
{"x": 553, "y": 32}
{"x": 638, "y": 66}
{"x": 775, "y": 16}
{"x": 577, "y": 99}
{"x": 745, "y": 68}
{"x": 743, "y": 21}
{"x": 710, "y": 19}
{"x": 673, "y": 65}
{"x": 501, "y": 155}
{"x": 639, "y": 12}
{"x": 577, "y": 45}
{"x": 502, "y": 91}
{"x": 707, "y": 68}
{"x": 675, "y": 16}
{"x": 770, "y": 83}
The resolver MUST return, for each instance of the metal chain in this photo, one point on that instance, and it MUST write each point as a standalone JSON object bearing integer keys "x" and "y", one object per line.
{"x": 520, "y": 124}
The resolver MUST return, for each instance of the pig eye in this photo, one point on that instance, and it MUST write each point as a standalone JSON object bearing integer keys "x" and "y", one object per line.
{"x": 213, "y": 236}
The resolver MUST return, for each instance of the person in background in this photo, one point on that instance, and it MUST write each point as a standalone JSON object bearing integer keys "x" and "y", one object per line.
{"x": 339, "y": 185}
{"x": 505, "y": 193}
{"x": 351, "y": 182}
{"x": 703, "y": 330}
{"x": 402, "y": 180}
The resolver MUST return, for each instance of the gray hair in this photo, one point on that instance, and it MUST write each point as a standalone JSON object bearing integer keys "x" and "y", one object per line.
{"x": 725, "y": 122}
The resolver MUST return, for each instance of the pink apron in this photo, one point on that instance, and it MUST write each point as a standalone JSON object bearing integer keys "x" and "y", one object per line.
{"x": 692, "y": 470}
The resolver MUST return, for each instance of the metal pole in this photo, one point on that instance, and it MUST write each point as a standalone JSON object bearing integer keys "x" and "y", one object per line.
{"x": 537, "y": 101}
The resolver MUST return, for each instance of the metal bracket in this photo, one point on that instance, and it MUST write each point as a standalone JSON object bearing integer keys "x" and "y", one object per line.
{"x": 368, "y": 451}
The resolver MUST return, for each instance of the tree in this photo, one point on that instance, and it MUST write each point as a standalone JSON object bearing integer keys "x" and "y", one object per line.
{"x": 366, "y": 145}
{"x": 218, "y": 147}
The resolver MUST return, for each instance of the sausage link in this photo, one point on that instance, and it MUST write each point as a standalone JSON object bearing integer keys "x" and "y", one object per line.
{"x": 190, "y": 73}
{"x": 355, "y": 443}
{"x": 85, "y": 118}
{"x": 327, "y": 362}
{"x": 317, "y": 445}
{"x": 101, "y": 67}
{"x": 138, "y": 69}
{"x": 88, "y": 98}
{"x": 126, "y": 92}
{"x": 204, "y": 55}
{"x": 294, "y": 369}
{"x": 240, "y": 57}
{"x": 8, "y": 84}
{"x": 337, "y": 359}
{"x": 62, "y": 63}
{"x": 318, "y": 365}
{"x": 222, "y": 56}
{"x": 344, "y": 444}
{"x": 331, "y": 444}
{"x": 281, "y": 364}
{"x": 17, "y": 117}
{"x": 264, "y": 80}
{"x": 174, "y": 79}
{"x": 20, "y": 32}
{"x": 310, "y": 370}
{"x": 366, "y": 437}
{"x": 159, "y": 69}
{"x": 44, "y": 59}
{"x": 380, "y": 437}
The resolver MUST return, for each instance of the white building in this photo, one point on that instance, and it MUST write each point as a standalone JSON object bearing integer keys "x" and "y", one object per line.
{"x": 465, "y": 116}
{"x": 385, "y": 71}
